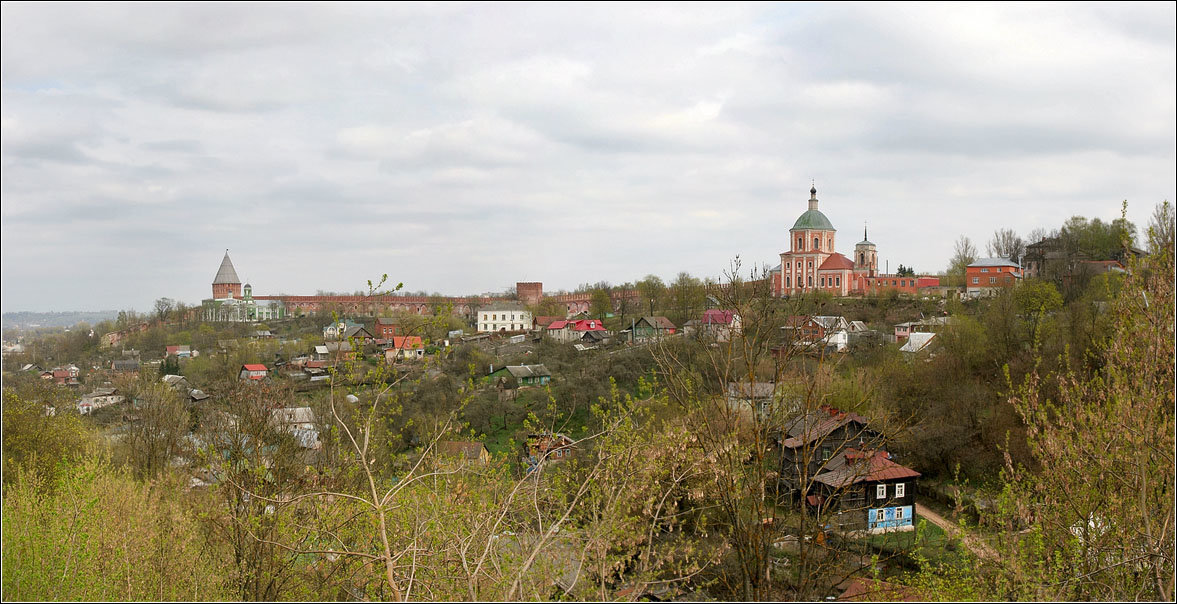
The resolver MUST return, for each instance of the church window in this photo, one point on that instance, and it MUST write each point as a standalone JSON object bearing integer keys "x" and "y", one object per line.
{"x": 815, "y": 244}
{"x": 823, "y": 281}
{"x": 799, "y": 244}
{"x": 810, "y": 280}
{"x": 861, "y": 258}
{"x": 839, "y": 281}
{"x": 787, "y": 282}
{"x": 810, "y": 264}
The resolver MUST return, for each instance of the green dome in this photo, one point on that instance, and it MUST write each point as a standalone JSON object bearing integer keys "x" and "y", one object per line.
{"x": 812, "y": 220}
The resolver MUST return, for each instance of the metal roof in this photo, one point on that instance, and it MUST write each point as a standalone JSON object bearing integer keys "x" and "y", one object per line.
{"x": 226, "y": 274}
{"x": 994, "y": 262}
{"x": 813, "y": 220}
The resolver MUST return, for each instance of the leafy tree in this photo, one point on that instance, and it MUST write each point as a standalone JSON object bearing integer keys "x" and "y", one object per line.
{"x": 1100, "y": 514}
{"x": 34, "y": 440}
{"x": 601, "y": 303}
{"x": 1160, "y": 228}
{"x": 651, "y": 294}
{"x": 94, "y": 533}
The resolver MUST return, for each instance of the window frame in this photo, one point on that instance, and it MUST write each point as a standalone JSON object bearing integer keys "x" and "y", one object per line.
{"x": 880, "y": 491}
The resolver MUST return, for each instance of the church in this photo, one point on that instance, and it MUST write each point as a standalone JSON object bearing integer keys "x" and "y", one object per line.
{"x": 230, "y": 303}
{"x": 813, "y": 264}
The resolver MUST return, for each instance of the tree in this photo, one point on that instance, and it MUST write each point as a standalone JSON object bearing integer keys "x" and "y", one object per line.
{"x": 158, "y": 423}
{"x": 1099, "y": 515}
{"x": 687, "y": 296}
{"x": 1160, "y": 228}
{"x": 964, "y": 254}
{"x": 601, "y": 304}
{"x": 651, "y": 293}
{"x": 164, "y": 308}
{"x": 1006, "y": 244}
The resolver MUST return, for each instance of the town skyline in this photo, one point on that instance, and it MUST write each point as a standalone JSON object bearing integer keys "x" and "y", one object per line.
{"x": 326, "y": 146}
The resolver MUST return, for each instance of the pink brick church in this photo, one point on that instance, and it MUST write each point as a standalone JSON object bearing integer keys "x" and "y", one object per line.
{"x": 812, "y": 264}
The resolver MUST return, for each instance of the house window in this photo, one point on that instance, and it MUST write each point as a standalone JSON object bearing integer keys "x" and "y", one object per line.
{"x": 984, "y": 270}
{"x": 976, "y": 280}
{"x": 992, "y": 279}
{"x": 899, "y": 513}
{"x": 899, "y": 489}
{"x": 881, "y": 492}
{"x": 825, "y": 453}
{"x": 879, "y": 516}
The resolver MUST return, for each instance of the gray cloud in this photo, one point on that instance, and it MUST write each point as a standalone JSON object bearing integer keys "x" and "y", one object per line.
{"x": 460, "y": 148}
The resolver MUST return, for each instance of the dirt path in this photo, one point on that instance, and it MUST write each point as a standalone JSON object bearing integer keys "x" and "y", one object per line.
{"x": 977, "y": 546}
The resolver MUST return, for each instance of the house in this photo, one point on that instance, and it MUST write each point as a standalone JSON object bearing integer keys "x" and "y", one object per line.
{"x": 338, "y": 350}
{"x": 522, "y": 375}
{"x": 358, "y": 334}
{"x": 987, "y": 276}
{"x": 811, "y": 441}
{"x": 404, "y": 348}
{"x": 917, "y": 342}
{"x": 177, "y": 382}
{"x": 254, "y": 372}
{"x": 574, "y": 330}
{"x": 384, "y": 328}
{"x": 864, "y": 490}
{"x": 930, "y": 325}
{"x": 828, "y": 331}
{"x": 299, "y": 422}
{"x": 542, "y": 322}
{"x": 99, "y": 398}
{"x": 181, "y": 351}
{"x": 464, "y": 452}
{"x": 549, "y": 446}
{"x": 751, "y": 399}
{"x": 336, "y": 331}
{"x": 125, "y": 366}
{"x": 648, "y": 329}
{"x": 503, "y": 317}
{"x": 716, "y": 323}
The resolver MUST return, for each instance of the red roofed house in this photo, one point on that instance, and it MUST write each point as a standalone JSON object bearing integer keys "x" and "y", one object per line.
{"x": 865, "y": 490}
{"x": 404, "y": 347}
{"x": 253, "y": 372}
{"x": 568, "y": 331}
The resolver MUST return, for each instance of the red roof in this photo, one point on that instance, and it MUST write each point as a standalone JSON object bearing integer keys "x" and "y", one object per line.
{"x": 866, "y": 467}
{"x": 836, "y": 261}
{"x": 255, "y": 367}
{"x": 544, "y": 321}
{"x": 558, "y": 324}
{"x": 588, "y": 325}
{"x": 716, "y": 316}
{"x": 407, "y": 342}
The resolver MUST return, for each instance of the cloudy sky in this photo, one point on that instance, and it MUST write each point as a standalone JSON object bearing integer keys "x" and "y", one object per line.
{"x": 462, "y": 148}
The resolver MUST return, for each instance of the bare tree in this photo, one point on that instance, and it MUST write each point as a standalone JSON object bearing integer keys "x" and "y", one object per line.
{"x": 964, "y": 254}
{"x": 1006, "y": 244}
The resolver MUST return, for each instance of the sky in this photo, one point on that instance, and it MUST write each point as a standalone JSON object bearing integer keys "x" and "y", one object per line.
{"x": 461, "y": 148}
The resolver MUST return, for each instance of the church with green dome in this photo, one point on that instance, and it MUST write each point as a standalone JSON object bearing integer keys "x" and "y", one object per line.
{"x": 812, "y": 262}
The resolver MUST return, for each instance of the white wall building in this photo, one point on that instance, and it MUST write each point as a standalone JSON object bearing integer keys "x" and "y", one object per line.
{"x": 503, "y": 317}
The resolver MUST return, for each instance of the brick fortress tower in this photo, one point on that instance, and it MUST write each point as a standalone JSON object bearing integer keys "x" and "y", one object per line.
{"x": 226, "y": 284}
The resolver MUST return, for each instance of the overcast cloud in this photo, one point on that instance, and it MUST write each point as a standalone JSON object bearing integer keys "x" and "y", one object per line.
{"x": 462, "y": 148}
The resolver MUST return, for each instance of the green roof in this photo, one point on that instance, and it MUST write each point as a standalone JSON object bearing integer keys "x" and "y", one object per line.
{"x": 813, "y": 220}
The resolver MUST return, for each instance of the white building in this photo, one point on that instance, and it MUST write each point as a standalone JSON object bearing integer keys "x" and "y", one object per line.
{"x": 503, "y": 317}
